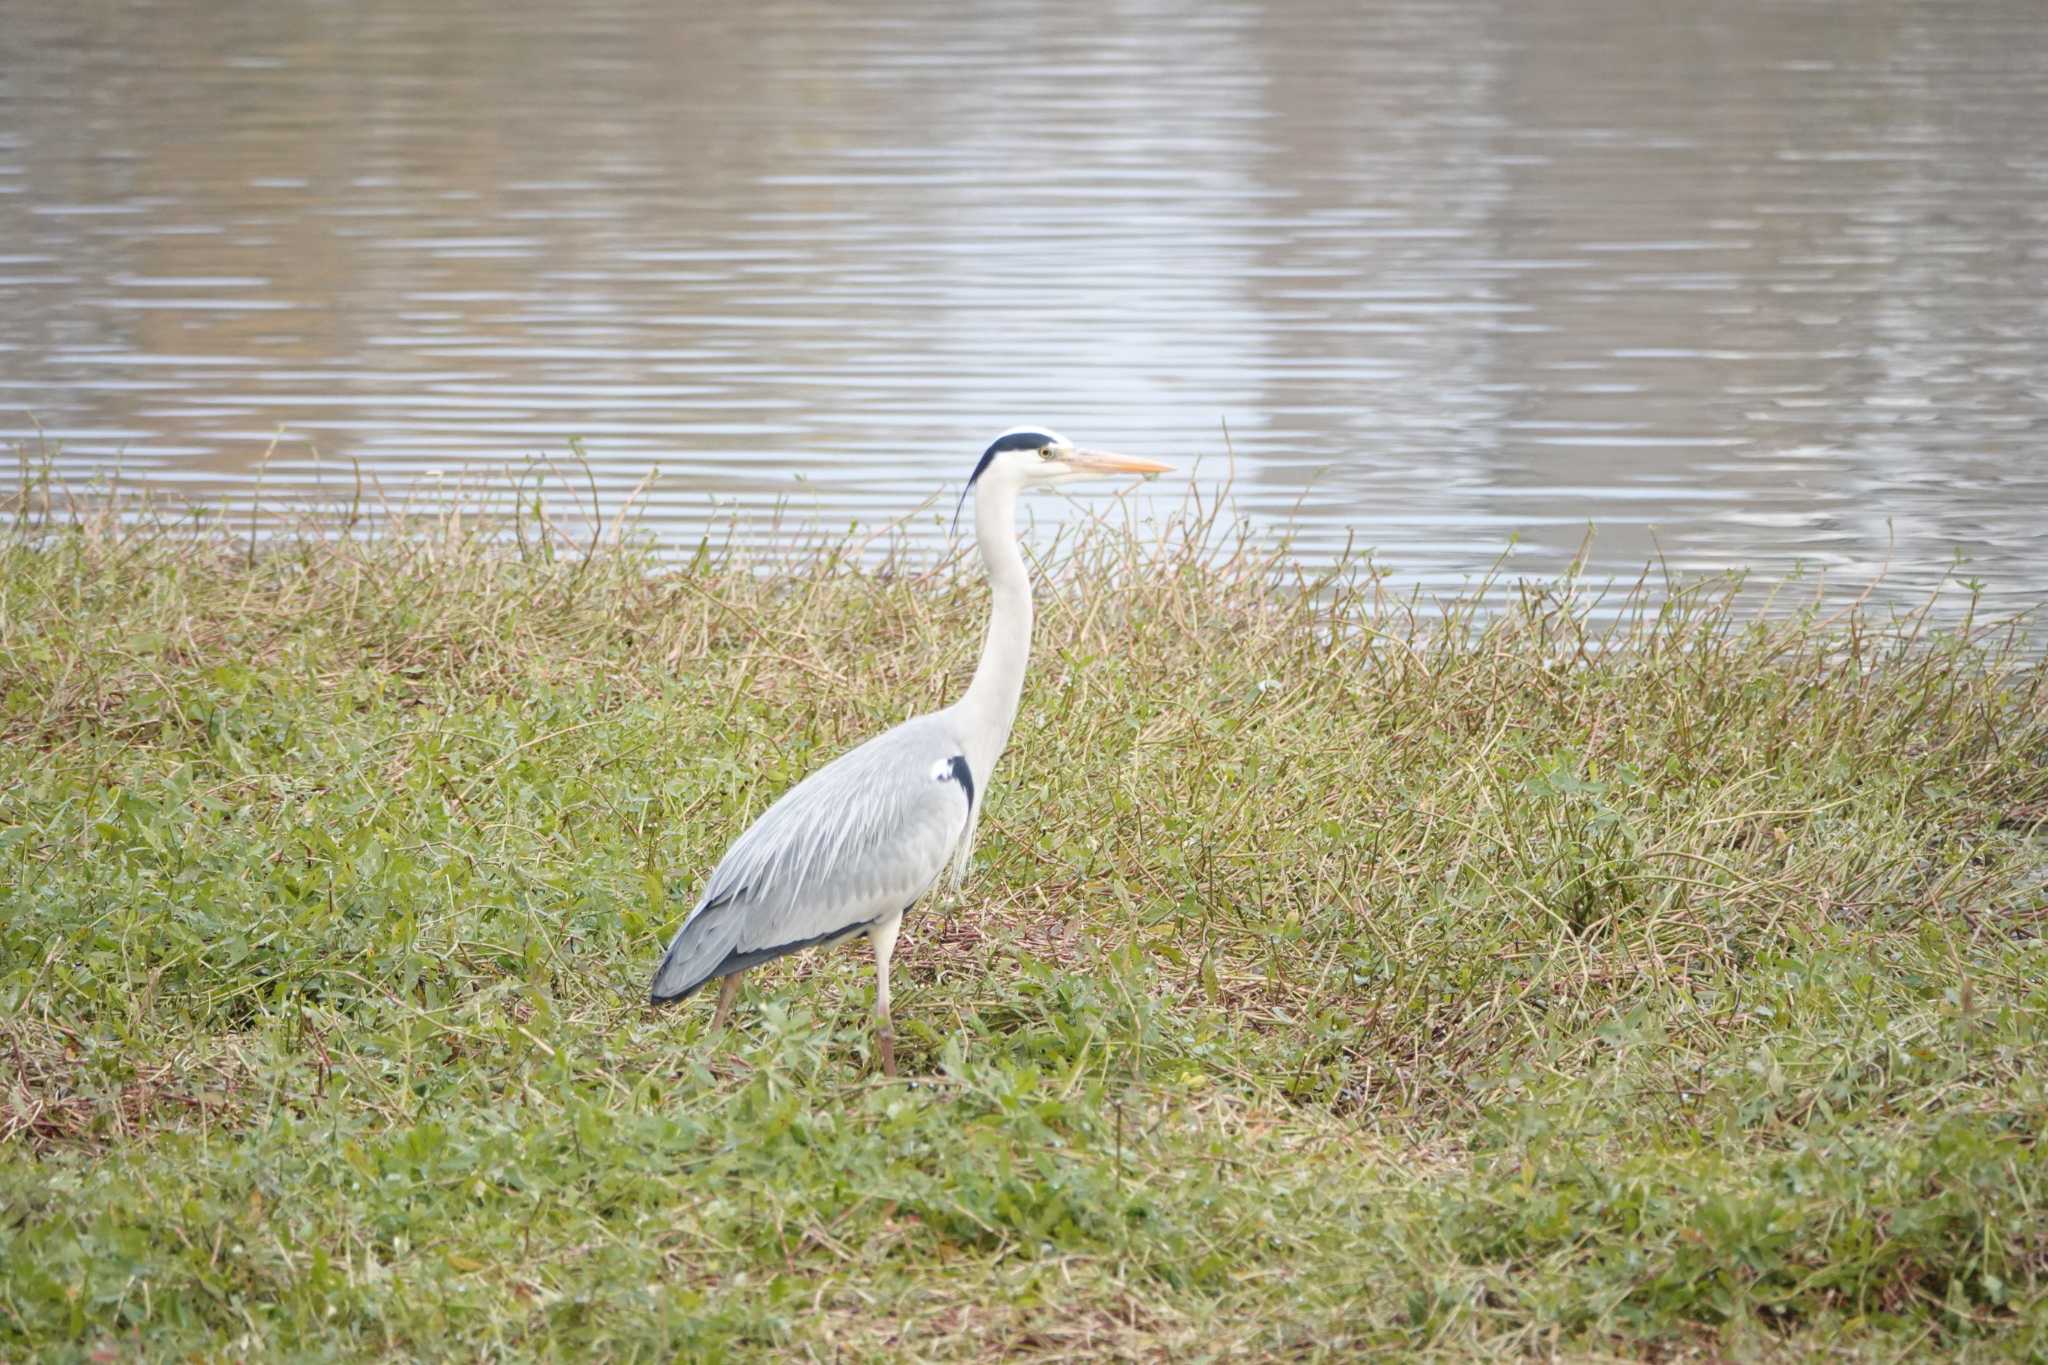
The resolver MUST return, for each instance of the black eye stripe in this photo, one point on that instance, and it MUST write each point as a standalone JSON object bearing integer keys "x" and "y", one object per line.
{"x": 1016, "y": 440}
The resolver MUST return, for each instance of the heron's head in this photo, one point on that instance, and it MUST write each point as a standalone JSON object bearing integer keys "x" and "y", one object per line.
{"x": 1030, "y": 457}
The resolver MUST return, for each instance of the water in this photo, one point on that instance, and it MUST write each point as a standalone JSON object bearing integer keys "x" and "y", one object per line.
{"x": 1740, "y": 284}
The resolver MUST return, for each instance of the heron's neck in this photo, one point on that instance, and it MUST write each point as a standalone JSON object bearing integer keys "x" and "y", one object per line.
{"x": 990, "y": 706}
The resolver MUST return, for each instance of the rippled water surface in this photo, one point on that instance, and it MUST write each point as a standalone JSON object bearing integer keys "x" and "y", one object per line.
{"x": 1738, "y": 284}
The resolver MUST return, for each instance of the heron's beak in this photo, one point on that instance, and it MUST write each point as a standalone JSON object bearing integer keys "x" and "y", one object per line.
{"x": 1102, "y": 462}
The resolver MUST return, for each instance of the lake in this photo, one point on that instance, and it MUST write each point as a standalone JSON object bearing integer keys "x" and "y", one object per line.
{"x": 1735, "y": 285}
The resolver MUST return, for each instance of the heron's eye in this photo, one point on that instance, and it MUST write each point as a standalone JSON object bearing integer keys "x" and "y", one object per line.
{"x": 1049, "y": 453}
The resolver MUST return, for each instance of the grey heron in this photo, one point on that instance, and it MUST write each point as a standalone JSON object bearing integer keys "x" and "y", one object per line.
{"x": 853, "y": 846}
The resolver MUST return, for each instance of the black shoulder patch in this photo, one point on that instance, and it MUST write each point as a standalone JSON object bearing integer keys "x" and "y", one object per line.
{"x": 965, "y": 777}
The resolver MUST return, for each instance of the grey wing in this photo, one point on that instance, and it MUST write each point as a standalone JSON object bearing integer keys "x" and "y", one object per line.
{"x": 860, "y": 839}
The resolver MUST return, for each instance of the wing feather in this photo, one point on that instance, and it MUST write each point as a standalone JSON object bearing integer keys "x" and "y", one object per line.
{"x": 863, "y": 837}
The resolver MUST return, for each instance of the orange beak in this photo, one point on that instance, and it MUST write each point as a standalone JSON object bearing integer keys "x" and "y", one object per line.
{"x": 1102, "y": 462}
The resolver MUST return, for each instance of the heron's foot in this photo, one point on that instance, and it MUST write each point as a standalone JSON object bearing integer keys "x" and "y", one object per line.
{"x": 885, "y": 1044}
{"x": 936, "y": 1084}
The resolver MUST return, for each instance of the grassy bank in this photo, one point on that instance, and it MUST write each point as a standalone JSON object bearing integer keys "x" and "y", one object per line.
{"x": 1637, "y": 982}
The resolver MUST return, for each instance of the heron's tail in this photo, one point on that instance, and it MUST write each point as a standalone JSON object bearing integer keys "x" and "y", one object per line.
{"x": 694, "y": 955}
{"x": 672, "y": 982}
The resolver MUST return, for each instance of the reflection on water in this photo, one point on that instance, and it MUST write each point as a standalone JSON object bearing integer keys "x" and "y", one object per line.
{"x": 1746, "y": 284}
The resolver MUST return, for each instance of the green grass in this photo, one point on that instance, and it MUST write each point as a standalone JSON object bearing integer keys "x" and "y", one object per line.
{"x": 1624, "y": 977}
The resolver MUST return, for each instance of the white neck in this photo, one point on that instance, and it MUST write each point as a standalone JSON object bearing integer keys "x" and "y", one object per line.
{"x": 990, "y": 706}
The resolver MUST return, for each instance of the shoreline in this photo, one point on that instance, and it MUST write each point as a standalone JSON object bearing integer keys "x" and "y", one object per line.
{"x": 1327, "y": 979}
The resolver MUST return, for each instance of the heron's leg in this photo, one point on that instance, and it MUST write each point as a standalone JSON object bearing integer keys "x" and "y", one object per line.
{"x": 883, "y": 936}
{"x": 728, "y": 991}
